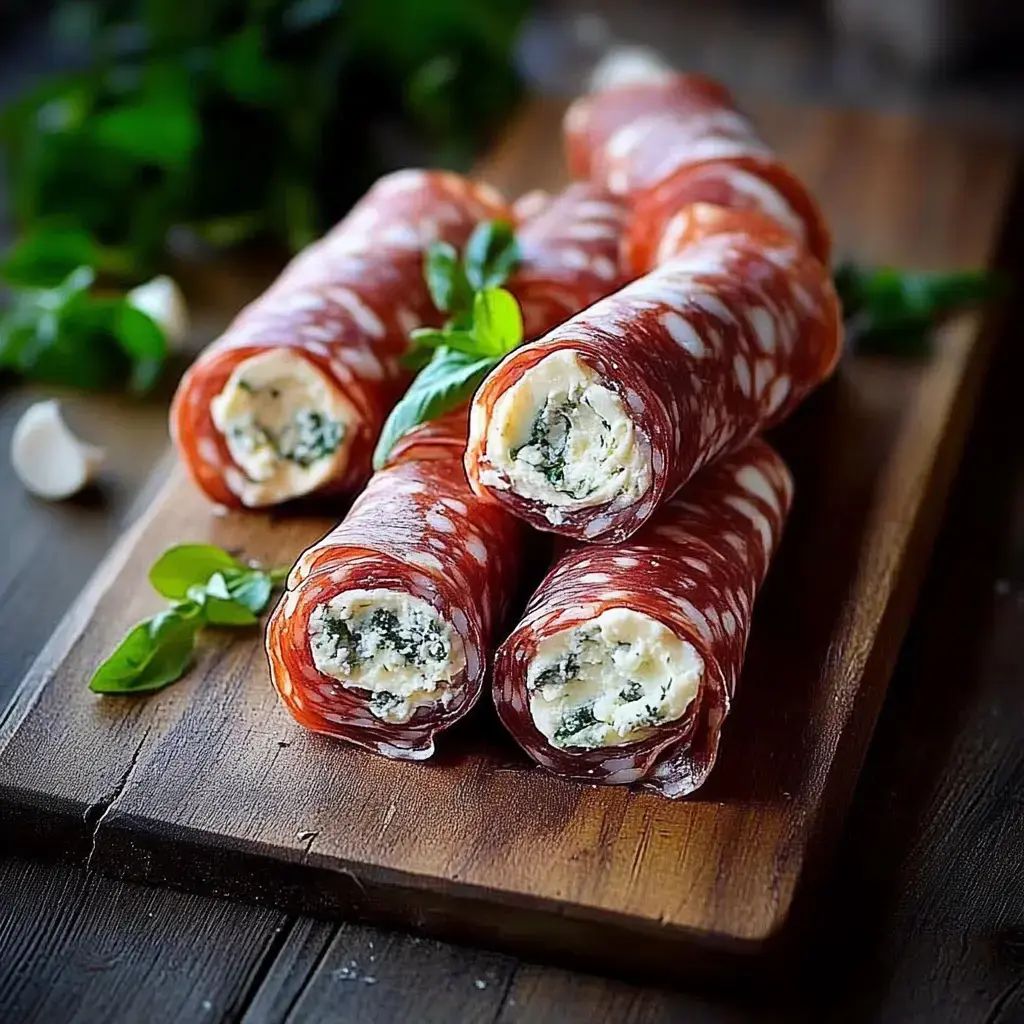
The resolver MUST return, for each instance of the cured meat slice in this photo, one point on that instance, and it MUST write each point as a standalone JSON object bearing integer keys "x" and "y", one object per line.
{"x": 569, "y": 248}
{"x": 734, "y": 184}
{"x": 290, "y": 399}
{"x": 586, "y": 431}
{"x": 676, "y": 140}
{"x": 383, "y": 636}
{"x": 624, "y": 666}
{"x": 630, "y": 137}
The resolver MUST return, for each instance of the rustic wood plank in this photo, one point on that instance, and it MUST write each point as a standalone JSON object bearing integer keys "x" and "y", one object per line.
{"x": 177, "y": 788}
{"x": 930, "y": 884}
{"x": 77, "y": 948}
{"x": 276, "y": 993}
{"x": 541, "y": 995}
{"x": 377, "y": 977}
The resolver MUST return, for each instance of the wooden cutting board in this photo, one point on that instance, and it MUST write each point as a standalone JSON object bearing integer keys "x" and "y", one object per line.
{"x": 210, "y": 786}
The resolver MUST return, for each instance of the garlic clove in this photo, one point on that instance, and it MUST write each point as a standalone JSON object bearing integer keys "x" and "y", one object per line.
{"x": 162, "y": 300}
{"x": 49, "y": 460}
{"x": 629, "y": 65}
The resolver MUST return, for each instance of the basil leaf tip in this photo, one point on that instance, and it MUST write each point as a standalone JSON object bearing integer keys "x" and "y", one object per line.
{"x": 484, "y": 323}
{"x": 64, "y": 333}
{"x": 208, "y": 587}
{"x": 893, "y": 312}
{"x": 491, "y": 254}
{"x": 498, "y": 321}
{"x": 448, "y": 380}
{"x": 185, "y": 565}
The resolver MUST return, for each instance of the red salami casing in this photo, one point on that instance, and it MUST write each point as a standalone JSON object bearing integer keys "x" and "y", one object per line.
{"x": 667, "y": 143}
{"x": 660, "y": 122}
{"x": 718, "y": 343}
{"x": 696, "y": 568}
{"x": 736, "y": 184}
{"x": 417, "y": 529}
{"x": 347, "y": 304}
{"x": 569, "y": 250}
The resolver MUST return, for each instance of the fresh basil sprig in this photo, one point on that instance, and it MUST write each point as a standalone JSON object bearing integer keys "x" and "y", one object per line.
{"x": 484, "y": 324}
{"x": 207, "y": 587}
{"x": 893, "y": 312}
{"x": 69, "y": 334}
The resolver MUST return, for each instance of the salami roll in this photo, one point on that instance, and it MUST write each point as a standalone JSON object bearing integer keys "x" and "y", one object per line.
{"x": 624, "y": 666}
{"x": 588, "y": 430}
{"x": 383, "y": 635}
{"x": 569, "y": 249}
{"x": 678, "y": 140}
{"x": 290, "y": 399}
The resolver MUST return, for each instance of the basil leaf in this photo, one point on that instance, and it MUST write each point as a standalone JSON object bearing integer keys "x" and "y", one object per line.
{"x": 446, "y": 279}
{"x": 78, "y": 281}
{"x": 491, "y": 254}
{"x": 497, "y": 321}
{"x": 246, "y": 70}
{"x": 250, "y": 589}
{"x": 426, "y": 337}
{"x": 227, "y": 612}
{"x": 414, "y": 357}
{"x": 222, "y": 605}
{"x": 46, "y": 257}
{"x": 66, "y": 334}
{"x": 154, "y": 654}
{"x": 188, "y": 565}
{"x": 460, "y": 340}
{"x": 888, "y": 311}
{"x": 143, "y": 341}
{"x": 161, "y": 132}
{"x": 449, "y": 379}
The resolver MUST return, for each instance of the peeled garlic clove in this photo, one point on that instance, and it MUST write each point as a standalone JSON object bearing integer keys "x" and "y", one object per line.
{"x": 49, "y": 460}
{"x": 629, "y": 65}
{"x": 161, "y": 300}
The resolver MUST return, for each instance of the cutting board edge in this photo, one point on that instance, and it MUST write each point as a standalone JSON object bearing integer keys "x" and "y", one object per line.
{"x": 569, "y": 934}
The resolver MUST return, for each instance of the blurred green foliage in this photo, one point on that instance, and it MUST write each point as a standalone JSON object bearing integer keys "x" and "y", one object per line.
{"x": 239, "y": 118}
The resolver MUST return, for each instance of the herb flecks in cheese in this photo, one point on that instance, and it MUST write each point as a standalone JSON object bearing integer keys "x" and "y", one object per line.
{"x": 285, "y": 425}
{"x": 611, "y": 680}
{"x": 392, "y": 645}
{"x": 561, "y": 437}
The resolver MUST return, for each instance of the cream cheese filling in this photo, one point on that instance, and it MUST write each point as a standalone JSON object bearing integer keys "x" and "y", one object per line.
{"x": 611, "y": 680}
{"x": 285, "y": 425}
{"x": 558, "y": 436}
{"x": 390, "y": 644}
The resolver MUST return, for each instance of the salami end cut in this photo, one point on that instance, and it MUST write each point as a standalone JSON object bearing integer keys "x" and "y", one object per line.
{"x": 383, "y": 634}
{"x": 680, "y": 139}
{"x": 289, "y": 401}
{"x": 588, "y": 430}
{"x": 624, "y": 666}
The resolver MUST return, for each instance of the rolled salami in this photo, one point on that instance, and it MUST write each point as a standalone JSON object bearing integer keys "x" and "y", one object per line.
{"x": 290, "y": 399}
{"x": 569, "y": 250}
{"x": 678, "y": 140}
{"x": 383, "y": 635}
{"x": 587, "y": 431}
{"x": 625, "y": 664}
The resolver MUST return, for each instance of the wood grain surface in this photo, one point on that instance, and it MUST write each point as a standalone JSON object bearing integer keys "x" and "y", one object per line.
{"x": 97, "y": 937}
{"x": 210, "y": 786}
